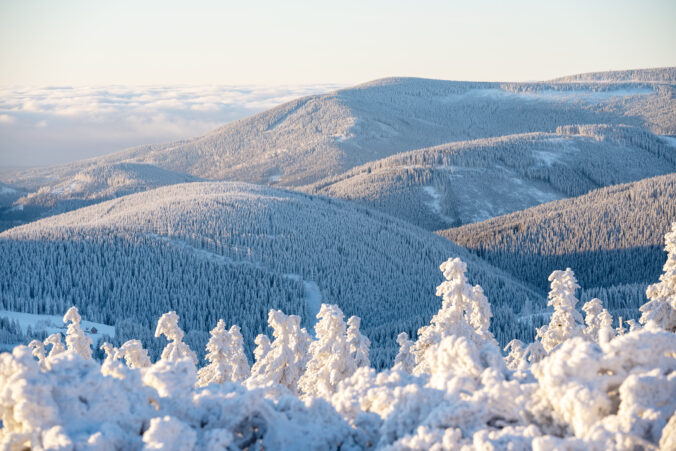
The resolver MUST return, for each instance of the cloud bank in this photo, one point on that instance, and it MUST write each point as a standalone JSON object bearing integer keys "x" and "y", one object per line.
{"x": 44, "y": 126}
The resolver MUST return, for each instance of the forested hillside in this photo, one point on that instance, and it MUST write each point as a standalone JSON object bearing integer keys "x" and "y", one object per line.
{"x": 658, "y": 74}
{"x": 314, "y": 137}
{"x": 611, "y": 236}
{"x": 90, "y": 186}
{"x": 471, "y": 181}
{"x": 580, "y": 384}
{"x": 319, "y": 137}
{"x": 210, "y": 250}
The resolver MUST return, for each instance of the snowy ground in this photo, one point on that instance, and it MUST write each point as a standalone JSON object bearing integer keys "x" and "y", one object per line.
{"x": 54, "y": 323}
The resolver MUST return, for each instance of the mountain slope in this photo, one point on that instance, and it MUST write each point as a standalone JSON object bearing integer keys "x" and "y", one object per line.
{"x": 210, "y": 250}
{"x": 315, "y": 137}
{"x": 658, "y": 74}
{"x": 465, "y": 182}
{"x": 612, "y": 238}
{"x": 90, "y": 186}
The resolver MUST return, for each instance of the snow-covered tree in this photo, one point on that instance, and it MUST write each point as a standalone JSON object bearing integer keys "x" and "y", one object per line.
{"x": 76, "y": 340}
{"x": 57, "y": 346}
{"x": 110, "y": 351}
{"x": 405, "y": 359}
{"x": 262, "y": 347}
{"x": 598, "y": 320}
{"x": 38, "y": 350}
{"x": 239, "y": 364}
{"x": 358, "y": 343}
{"x": 218, "y": 370}
{"x": 285, "y": 361}
{"x": 660, "y": 310}
{"x": 167, "y": 325}
{"x": 226, "y": 356}
{"x": 566, "y": 321}
{"x": 464, "y": 312}
{"x": 330, "y": 357}
{"x": 516, "y": 359}
{"x": 134, "y": 354}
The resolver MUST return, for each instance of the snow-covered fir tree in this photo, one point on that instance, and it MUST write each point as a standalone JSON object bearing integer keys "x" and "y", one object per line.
{"x": 218, "y": 369}
{"x": 226, "y": 356}
{"x": 661, "y": 309}
{"x": 76, "y": 340}
{"x": 239, "y": 365}
{"x": 598, "y": 321}
{"x": 57, "y": 347}
{"x": 566, "y": 321}
{"x": 284, "y": 360}
{"x": 405, "y": 359}
{"x": 358, "y": 343}
{"x": 134, "y": 354}
{"x": 330, "y": 357}
{"x": 464, "y": 312}
{"x": 167, "y": 325}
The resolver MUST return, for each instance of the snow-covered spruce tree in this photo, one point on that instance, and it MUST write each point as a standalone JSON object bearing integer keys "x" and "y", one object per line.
{"x": 598, "y": 320}
{"x": 218, "y": 370}
{"x": 516, "y": 359}
{"x": 359, "y": 344}
{"x": 464, "y": 312}
{"x": 226, "y": 354}
{"x": 239, "y": 364}
{"x": 167, "y": 325}
{"x": 38, "y": 350}
{"x": 262, "y": 347}
{"x": 134, "y": 354}
{"x": 660, "y": 310}
{"x": 405, "y": 360}
{"x": 566, "y": 322}
{"x": 110, "y": 351}
{"x": 57, "y": 344}
{"x": 76, "y": 340}
{"x": 330, "y": 358}
{"x": 285, "y": 359}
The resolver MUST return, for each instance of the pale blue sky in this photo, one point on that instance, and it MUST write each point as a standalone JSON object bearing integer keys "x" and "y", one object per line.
{"x": 151, "y": 42}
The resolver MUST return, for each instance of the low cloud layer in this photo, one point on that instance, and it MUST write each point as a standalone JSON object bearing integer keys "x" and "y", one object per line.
{"x": 44, "y": 126}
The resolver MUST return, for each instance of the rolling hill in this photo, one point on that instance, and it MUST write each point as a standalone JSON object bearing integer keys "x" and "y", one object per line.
{"x": 320, "y": 137}
{"x": 90, "y": 186}
{"x": 231, "y": 250}
{"x": 611, "y": 237}
{"x": 471, "y": 181}
{"x": 314, "y": 137}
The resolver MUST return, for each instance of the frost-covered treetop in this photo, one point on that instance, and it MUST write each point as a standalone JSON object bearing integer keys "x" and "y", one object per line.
{"x": 661, "y": 309}
{"x": 167, "y": 325}
{"x": 76, "y": 340}
{"x": 566, "y": 321}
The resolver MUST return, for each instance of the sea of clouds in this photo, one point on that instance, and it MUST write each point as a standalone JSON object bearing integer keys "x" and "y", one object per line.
{"x": 51, "y": 125}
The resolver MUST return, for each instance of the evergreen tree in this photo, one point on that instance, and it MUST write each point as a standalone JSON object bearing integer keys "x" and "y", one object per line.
{"x": 76, "y": 340}
{"x": 167, "y": 325}
{"x": 660, "y": 310}
{"x": 565, "y": 322}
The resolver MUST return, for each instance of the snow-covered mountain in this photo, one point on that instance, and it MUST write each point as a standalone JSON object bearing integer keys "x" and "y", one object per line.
{"x": 322, "y": 136}
{"x": 471, "y": 181}
{"x": 92, "y": 185}
{"x": 612, "y": 238}
{"x": 314, "y": 137}
{"x": 230, "y": 250}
